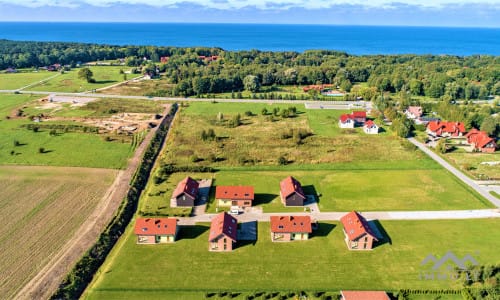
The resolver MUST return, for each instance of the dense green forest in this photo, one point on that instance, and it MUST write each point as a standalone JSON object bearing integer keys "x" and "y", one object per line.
{"x": 444, "y": 76}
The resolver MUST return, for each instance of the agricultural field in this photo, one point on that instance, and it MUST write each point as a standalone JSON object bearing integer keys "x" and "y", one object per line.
{"x": 21, "y": 144}
{"x": 41, "y": 208}
{"x": 321, "y": 264}
{"x": 69, "y": 81}
{"x": 13, "y": 81}
{"x": 260, "y": 140}
{"x": 141, "y": 88}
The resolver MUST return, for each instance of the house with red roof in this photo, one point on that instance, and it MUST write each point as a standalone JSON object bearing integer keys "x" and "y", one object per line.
{"x": 156, "y": 230}
{"x": 445, "y": 129}
{"x": 358, "y": 233}
{"x": 363, "y": 295}
{"x": 241, "y": 196}
{"x": 291, "y": 192}
{"x": 414, "y": 112}
{"x": 223, "y": 232}
{"x": 164, "y": 59}
{"x": 370, "y": 127}
{"x": 352, "y": 119}
{"x": 185, "y": 193}
{"x": 346, "y": 121}
{"x": 480, "y": 141}
{"x": 290, "y": 228}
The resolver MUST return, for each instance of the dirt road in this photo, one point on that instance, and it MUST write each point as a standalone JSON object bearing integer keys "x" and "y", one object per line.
{"x": 44, "y": 284}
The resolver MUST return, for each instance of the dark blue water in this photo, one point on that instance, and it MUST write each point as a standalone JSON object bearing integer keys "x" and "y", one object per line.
{"x": 351, "y": 39}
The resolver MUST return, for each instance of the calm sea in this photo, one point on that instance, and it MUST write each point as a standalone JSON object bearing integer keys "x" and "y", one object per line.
{"x": 351, "y": 39}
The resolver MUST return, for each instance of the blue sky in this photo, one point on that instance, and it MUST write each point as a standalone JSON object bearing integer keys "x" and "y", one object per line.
{"x": 466, "y": 13}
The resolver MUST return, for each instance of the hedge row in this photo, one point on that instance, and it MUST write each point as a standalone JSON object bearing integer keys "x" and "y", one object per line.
{"x": 82, "y": 273}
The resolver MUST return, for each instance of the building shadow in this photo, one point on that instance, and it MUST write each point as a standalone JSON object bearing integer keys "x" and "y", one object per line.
{"x": 310, "y": 190}
{"x": 323, "y": 229}
{"x": 247, "y": 234}
{"x": 263, "y": 198}
{"x": 191, "y": 232}
{"x": 380, "y": 233}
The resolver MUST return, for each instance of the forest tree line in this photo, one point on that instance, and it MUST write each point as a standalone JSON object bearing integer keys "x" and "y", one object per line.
{"x": 444, "y": 76}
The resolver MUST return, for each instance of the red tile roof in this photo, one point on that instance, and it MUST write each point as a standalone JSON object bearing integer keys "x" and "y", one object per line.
{"x": 155, "y": 226}
{"x": 288, "y": 224}
{"x": 364, "y": 295}
{"x": 225, "y": 224}
{"x": 345, "y": 117}
{"x": 369, "y": 123}
{"x": 189, "y": 186}
{"x": 359, "y": 114}
{"x": 234, "y": 192}
{"x": 449, "y": 127}
{"x": 356, "y": 226}
{"x": 291, "y": 185}
{"x": 479, "y": 138}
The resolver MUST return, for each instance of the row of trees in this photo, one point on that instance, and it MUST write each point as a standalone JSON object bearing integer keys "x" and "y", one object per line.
{"x": 471, "y": 77}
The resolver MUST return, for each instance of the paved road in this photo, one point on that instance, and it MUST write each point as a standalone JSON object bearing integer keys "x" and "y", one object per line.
{"x": 457, "y": 173}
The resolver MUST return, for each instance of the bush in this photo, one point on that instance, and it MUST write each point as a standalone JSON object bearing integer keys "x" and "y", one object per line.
{"x": 248, "y": 113}
{"x": 41, "y": 150}
{"x": 282, "y": 161}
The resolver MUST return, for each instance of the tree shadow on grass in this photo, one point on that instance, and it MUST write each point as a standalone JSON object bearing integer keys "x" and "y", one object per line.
{"x": 323, "y": 229}
{"x": 263, "y": 198}
{"x": 191, "y": 232}
{"x": 105, "y": 81}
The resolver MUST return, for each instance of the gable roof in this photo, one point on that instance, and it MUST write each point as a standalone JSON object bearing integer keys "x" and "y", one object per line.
{"x": 188, "y": 185}
{"x": 359, "y": 114}
{"x": 291, "y": 185}
{"x": 225, "y": 224}
{"x": 234, "y": 192}
{"x": 450, "y": 127}
{"x": 364, "y": 295}
{"x": 344, "y": 117}
{"x": 356, "y": 226}
{"x": 155, "y": 226}
{"x": 415, "y": 110}
{"x": 479, "y": 138}
{"x": 370, "y": 124}
{"x": 287, "y": 224}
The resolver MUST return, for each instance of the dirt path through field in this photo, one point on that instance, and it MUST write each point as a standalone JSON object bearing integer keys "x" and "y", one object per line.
{"x": 43, "y": 285}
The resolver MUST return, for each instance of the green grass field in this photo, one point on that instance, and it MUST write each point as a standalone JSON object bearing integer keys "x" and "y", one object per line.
{"x": 323, "y": 263}
{"x": 470, "y": 163}
{"x": 41, "y": 208}
{"x": 9, "y": 102}
{"x": 69, "y": 81}
{"x": 12, "y": 81}
{"x": 258, "y": 141}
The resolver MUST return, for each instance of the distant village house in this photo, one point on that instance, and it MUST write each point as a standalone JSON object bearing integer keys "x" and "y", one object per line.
{"x": 185, "y": 193}
{"x": 240, "y": 196}
{"x": 357, "y": 231}
{"x": 445, "y": 129}
{"x": 480, "y": 141}
{"x": 291, "y": 192}
{"x": 223, "y": 232}
{"x": 156, "y": 230}
{"x": 370, "y": 127}
{"x": 290, "y": 228}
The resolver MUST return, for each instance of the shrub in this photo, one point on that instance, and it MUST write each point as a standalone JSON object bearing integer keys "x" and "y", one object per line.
{"x": 282, "y": 161}
{"x": 248, "y": 113}
{"x": 16, "y": 143}
{"x": 41, "y": 150}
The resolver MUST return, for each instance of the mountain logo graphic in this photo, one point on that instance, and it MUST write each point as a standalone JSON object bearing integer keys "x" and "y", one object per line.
{"x": 449, "y": 256}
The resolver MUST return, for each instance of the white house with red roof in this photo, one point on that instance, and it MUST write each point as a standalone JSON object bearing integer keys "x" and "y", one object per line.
{"x": 480, "y": 141}
{"x": 356, "y": 118}
{"x": 156, "y": 230}
{"x": 223, "y": 232}
{"x": 414, "y": 112}
{"x": 357, "y": 231}
{"x": 370, "y": 127}
{"x": 290, "y": 228}
{"x": 445, "y": 129}
{"x": 185, "y": 193}
{"x": 291, "y": 192}
{"x": 241, "y": 196}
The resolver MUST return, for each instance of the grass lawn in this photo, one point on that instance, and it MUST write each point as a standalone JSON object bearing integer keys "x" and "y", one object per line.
{"x": 64, "y": 149}
{"x": 69, "y": 81}
{"x": 9, "y": 102}
{"x": 41, "y": 208}
{"x": 140, "y": 88}
{"x": 321, "y": 264}
{"x": 259, "y": 141}
{"x": 12, "y": 81}
{"x": 470, "y": 163}
{"x": 362, "y": 190}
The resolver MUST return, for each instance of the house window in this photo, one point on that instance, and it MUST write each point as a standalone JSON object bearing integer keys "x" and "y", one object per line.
{"x": 247, "y": 202}
{"x": 366, "y": 238}
{"x": 364, "y": 246}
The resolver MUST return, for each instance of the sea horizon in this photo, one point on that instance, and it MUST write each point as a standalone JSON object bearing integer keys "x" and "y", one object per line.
{"x": 352, "y": 39}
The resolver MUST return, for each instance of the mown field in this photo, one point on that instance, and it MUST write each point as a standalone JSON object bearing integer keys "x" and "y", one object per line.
{"x": 12, "y": 81}
{"x": 471, "y": 164}
{"x": 321, "y": 264}
{"x": 69, "y": 81}
{"x": 41, "y": 208}
{"x": 260, "y": 140}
